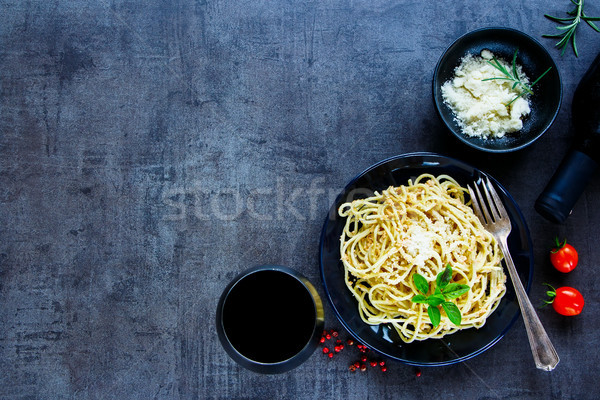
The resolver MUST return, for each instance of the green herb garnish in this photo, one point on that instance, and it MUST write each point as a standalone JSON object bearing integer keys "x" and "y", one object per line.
{"x": 568, "y": 26}
{"x": 513, "y": 76}
{"x": 444, "y": 291}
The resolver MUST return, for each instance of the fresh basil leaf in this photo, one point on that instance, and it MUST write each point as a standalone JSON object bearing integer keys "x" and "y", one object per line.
{"x": 452, "y": 312}
{"x": 421, "y": 283}
{"x": 454, "y": 290}
{"x": 435, "y": 300}
{"x": 434, "y": 315}
{"x": 419, "y": 298}
{"x": 444, "y": 277}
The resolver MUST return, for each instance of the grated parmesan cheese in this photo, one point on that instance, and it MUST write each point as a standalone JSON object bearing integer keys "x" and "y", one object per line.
{"x": 419, "y": 245}
{"x": 480, "y": 106}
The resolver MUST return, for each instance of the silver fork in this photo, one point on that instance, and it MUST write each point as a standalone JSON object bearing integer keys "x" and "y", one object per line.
{"x": 495, "y": 219}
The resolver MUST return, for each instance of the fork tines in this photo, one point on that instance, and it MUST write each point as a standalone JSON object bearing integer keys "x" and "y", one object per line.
{"x": 491, "y": 209}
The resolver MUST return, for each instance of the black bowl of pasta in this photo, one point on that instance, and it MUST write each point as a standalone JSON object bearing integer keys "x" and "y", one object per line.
{"x": 385, "y": 337}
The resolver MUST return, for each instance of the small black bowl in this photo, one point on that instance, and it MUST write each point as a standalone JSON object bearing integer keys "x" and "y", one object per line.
{"x": 270, "y": 319}
{"x": 532, "y": 56}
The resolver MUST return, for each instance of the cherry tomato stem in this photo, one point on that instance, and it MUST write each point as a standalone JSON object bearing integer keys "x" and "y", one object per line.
{"x": 558, "y": 245}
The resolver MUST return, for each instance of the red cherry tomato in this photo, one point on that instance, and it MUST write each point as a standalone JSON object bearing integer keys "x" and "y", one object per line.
{"x": 564, "y": 257}
{"x": 566, "y": 300}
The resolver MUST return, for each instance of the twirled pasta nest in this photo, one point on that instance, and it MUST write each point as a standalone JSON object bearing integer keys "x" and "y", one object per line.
{"x": 419, "y": 228}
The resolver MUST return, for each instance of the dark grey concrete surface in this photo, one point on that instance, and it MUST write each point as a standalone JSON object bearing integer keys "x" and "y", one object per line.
{"x": 151, "y": 150}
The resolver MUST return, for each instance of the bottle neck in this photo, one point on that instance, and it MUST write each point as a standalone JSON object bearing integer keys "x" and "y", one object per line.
{"x": 567, "y": 184}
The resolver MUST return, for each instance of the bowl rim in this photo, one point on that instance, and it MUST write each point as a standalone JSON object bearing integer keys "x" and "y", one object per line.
{"x": 460, "y": 136}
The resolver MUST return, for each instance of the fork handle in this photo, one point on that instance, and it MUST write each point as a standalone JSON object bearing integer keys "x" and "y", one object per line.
{"x": 544, "y": 354}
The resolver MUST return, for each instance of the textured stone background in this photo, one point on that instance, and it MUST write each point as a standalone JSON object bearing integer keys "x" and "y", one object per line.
{"x": 151, "y": 150}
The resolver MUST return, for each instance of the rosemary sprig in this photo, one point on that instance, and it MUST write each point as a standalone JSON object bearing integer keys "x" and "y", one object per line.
{"x": 513, "y": 76}
{"x": 568, "y": 26}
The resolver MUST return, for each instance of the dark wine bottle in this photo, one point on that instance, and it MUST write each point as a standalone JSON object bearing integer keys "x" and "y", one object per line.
{"x": 573, "y": 174}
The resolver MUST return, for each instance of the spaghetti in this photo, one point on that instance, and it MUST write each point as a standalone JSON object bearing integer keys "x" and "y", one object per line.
{"x": 419, "y": 228}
